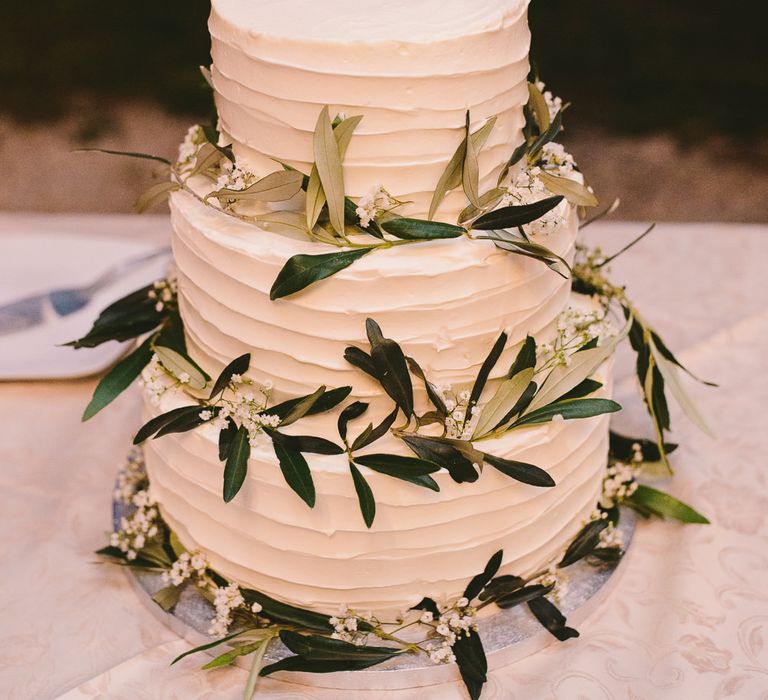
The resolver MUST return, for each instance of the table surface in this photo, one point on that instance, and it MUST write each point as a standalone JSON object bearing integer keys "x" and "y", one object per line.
{"x": 688, "y": 618}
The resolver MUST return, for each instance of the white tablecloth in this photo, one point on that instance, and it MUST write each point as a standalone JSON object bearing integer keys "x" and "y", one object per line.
{"x": 688, "y": 618}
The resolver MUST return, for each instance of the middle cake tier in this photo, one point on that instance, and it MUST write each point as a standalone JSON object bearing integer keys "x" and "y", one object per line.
{"x": 445, "y": 302}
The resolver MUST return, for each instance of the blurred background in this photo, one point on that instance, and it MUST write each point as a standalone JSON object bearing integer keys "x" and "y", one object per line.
{"x": 668, "y": 100}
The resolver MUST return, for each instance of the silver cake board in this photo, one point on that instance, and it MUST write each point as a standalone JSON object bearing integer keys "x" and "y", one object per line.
{"x": 508, "y": 635}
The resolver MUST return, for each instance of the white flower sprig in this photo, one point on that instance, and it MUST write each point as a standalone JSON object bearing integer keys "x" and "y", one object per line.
{"x": 136, "y": 529}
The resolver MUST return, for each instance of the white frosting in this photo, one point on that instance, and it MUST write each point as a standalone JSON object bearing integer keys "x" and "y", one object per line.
{"x": 412, "y": 69}
{"x": 421, "y": 542}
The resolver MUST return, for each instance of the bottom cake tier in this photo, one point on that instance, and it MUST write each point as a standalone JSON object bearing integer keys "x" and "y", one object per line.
{"x": 421, "y": 542}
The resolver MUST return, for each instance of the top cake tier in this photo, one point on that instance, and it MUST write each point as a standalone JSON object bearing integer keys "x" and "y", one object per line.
{"x": 412, "y": 69}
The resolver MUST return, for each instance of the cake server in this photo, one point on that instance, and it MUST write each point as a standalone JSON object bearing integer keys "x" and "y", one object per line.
{"x": 55, "y": 303}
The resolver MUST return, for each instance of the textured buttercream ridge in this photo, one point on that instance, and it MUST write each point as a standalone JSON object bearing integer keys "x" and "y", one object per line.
{"x": 239, "y": 18}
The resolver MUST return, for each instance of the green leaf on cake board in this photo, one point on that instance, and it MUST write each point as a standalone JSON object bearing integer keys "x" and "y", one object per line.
{"x": 119, "y": 378}
{"x": 551, "y": 618}
{"x": 585, "y": 542}
{"x": 662, "y": 504}
{"x": 472, "y": 662}
{"x": 236, "y": 466}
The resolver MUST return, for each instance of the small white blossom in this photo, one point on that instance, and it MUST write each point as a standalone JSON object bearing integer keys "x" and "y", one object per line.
{"x": 373, "y": 203}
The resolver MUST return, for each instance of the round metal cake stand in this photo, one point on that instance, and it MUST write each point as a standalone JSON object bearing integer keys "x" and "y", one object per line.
{"x": 508, "y": 635}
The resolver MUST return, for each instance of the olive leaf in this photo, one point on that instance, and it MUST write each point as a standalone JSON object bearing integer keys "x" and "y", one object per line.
{"x": 275, "y": 187}
{"x": 502, "y": 406}
{"x": 516, "y": 215}
{"x": 485, "y": 370}
{"x": 238, "y": 366}
{"x": 564, "y": 378}
{"x": 129, "y": 317}
{"x": 305, "y": 443}
{"x": 470, "y": 173}
{"x": 236, "y": 466}
{"x": 664, "y": 505}
{"x": 295, "y": 470}
{"x": 184, "y": 422}
{"x": 669, "y": 371}
{"x": 521, "y": 471}
{"x": 569, "y": 410}
{"x": 575, "y": 192}
{"x": 451, "y": 177}
{"x": 315, "y": 199}
{"x": 364, "y": 495}
{"x": 298, "y": 663}
{"x": 226, "y": 438}
{"x": 320, "y": 648}
{"x": 229, "y": 657}
{"x": 538, "y": 106}
{"x": 119, "y": 378}
{"x": 587, "y": 387}
{"x": 432, "y": 391}
{"x": 391, "y": 367}
{"x": 472, "y": 662}
{"x": 329, "y": 170}
{"x": 486, "y": 201}
{"x": 501, "y": 585}
{"x": 180, "y": 365}
{"x": 411, "y": 469}
{"x": 360, "y": 359}
{"x": 283, "y": 613}
{"x": 354, "y": 410}
{"x": 479, "y": 582}
{"x": 128, "y": 154}
{"x": 546, "y": 136}
{"x": 526, "y": 357}
{"x": 420, "y": 229}
{"x": 371, "y": 434}
{"x": 585, "y": 542}
{"x": 519, "y": 595}
{"x": 456, "y": 457}
{"x": 550, "y": 617}
{"x": 622, "y": 448}
{"x": 517, "y": 245}
{"x": 153, "y": 425}
{"x": 311, "y": 404}
{"x": 289, "y": 223}
{"x": 302, "y": 270}
{"x": 155, "y": 195}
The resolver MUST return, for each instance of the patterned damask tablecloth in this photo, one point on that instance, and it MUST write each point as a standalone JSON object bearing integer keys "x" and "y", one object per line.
{"x": 688, "y": 618}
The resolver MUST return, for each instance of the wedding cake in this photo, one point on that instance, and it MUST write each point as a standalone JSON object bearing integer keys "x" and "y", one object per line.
{"x": 383, "y": 362}
{"x": 412, "y": 70}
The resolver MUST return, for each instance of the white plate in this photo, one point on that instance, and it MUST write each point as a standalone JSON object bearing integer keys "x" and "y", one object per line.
{"x": 37, "y": 262}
